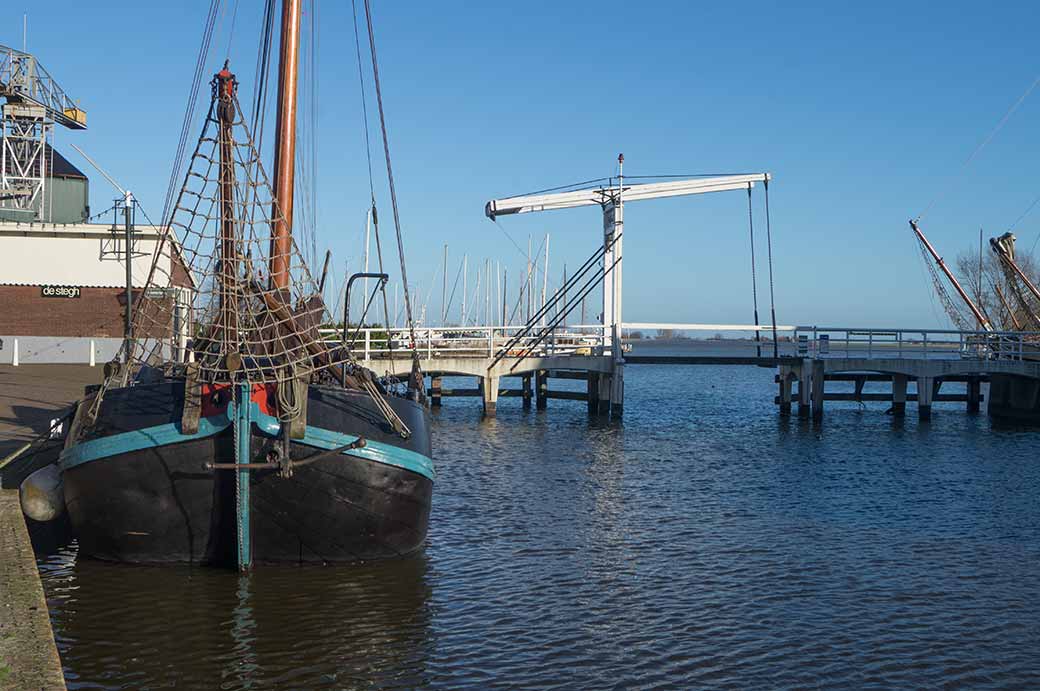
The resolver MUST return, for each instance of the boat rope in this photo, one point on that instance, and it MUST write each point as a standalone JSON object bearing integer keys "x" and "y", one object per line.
{"x": 390, "y": 176}
{"x": 189, "y": 111}
{"x": 260, "y": 77}
{"x": 371, "y": 176}
{"x": 978, "y": 149}
{"x": 364, "y": 104}
{"x": 451, "y": 298}
{"x": 754, "y": 275}
{"x": 769, "y": 248}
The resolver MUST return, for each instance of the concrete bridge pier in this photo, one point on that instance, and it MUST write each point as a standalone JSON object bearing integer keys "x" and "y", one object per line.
{"x": 541, "y": 382}
{"x": 489, "y": 393}
{"x": 974, "y": 394}
{"x": 925, "y": 389}
{"x": 527, "y": 391}
{"x": 899, "y": 395}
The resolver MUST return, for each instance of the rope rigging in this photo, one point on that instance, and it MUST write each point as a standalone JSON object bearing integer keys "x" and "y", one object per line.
{"x": 390, "y": 176}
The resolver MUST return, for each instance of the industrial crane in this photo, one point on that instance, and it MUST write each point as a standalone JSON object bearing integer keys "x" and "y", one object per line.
{"x": 611, "y": 198}
{"x": 34, "y": 103}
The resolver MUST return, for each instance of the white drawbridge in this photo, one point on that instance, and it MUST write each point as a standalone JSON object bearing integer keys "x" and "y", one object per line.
{"x": 611, "y": 198}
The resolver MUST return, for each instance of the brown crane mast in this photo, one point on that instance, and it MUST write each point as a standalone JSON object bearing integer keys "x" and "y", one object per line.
{"x": 979, "y": 316}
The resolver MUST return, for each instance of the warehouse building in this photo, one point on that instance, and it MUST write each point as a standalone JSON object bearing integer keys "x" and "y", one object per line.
{"x": 63, "y": 287}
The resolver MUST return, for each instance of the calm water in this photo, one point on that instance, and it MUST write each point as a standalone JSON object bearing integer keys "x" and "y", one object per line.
{"x": 703, "y": 543}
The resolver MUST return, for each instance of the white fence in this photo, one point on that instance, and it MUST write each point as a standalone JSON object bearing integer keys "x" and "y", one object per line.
{"x": 477, "y": 341}
{"x": 845, "y": 342}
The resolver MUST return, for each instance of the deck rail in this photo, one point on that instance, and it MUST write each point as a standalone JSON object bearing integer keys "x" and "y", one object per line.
{"x": 873, "y": 342}
{"x": 377, "y": 343}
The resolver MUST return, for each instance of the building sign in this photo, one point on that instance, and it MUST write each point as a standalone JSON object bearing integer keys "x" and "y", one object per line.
{"x": 60, "y": 291}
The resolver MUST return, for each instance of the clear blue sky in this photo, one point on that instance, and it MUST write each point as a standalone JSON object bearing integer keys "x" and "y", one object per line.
{"x": 863, "y": 113}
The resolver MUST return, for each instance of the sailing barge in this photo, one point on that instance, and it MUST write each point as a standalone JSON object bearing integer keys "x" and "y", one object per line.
{"x": 228, "y": 431}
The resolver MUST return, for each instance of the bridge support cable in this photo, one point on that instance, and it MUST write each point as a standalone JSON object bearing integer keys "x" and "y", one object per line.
{"x": 560, "y": 296}
{"x": 754, "y": 274}
{"x": 769, "y": 248}
{"x": 598, "y": 277}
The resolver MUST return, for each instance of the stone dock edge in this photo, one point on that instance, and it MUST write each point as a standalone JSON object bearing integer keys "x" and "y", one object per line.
{"x": 28, "y": 654}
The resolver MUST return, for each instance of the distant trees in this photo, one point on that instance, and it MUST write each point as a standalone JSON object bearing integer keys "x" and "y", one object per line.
{"x": 1007, "y": 303}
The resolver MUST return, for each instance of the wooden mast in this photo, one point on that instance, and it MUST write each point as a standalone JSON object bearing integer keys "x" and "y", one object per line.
{"x": 225, "y": 84}
{"x": 285, "y": 146}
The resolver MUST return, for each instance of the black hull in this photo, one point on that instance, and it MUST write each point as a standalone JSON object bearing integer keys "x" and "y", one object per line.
{"x": 163, "y": 504}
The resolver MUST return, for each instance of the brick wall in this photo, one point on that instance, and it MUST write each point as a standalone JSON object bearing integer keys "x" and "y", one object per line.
{"x": 98, "y": 312}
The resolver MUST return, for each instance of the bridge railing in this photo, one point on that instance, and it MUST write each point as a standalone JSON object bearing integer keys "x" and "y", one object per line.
{"x": 871, "y": 342}
{"x": 475, "y": 341}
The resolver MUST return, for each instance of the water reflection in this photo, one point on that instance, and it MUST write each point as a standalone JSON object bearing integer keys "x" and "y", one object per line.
{"x": 123, "y": 627}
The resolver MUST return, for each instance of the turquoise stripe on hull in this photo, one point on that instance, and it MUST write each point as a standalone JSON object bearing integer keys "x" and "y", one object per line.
{"x": 170, "y": 433}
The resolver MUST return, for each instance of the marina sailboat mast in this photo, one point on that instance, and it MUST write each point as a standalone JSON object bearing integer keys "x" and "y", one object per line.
{"x": 285, "y": 146}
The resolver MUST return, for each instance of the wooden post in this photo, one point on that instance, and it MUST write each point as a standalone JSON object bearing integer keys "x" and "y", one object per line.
{"x": 592, "y": 388}
{"x": 527, "y": 391}
{"x": 435, "y": 391}
{"x": 603, "y": 394}
{"x": 899, "y": 394}
{"x": 818, "y": 382}
{"x": 785, "y": 392}
{"x": 541, "y": 382}
{"x": 924, "y": 398}
{"x": 489, "y": 392}
{"x": 617, "y": 391}
{"x": 974, "y": 394}
{"x": 804, "y": 377}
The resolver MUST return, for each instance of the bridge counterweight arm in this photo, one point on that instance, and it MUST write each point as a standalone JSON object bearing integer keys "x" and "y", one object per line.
{"x": 600, "y": 196}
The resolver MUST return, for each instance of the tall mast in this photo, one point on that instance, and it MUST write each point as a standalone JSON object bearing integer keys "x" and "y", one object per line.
{"x": 285, "y": 145}
{"x": 225, "y": 84}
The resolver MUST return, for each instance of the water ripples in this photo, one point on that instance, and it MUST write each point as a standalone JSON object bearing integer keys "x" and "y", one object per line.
{"x": 703, "y": 543}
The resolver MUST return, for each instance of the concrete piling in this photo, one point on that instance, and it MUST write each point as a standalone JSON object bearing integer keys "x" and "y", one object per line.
{"x": 489, "y": 394}
{"x": 924, "y": 398}
{"x": 974, "y": 394}
{"x": 899, "y": 394}
{"x": 819, "y": 381}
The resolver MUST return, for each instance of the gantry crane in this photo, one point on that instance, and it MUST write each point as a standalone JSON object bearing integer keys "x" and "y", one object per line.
{"x": 611, "y": 198}
{"x": 34, "y": 103}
